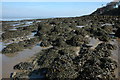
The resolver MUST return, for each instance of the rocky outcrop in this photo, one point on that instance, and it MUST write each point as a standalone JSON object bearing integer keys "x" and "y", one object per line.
{"x": 24, "y": 66}
{"x": 112, "y": 8}
{"x": 56, "y": 63}
{"x": 15, "y": 47}
{"x": 70, "y": 57}
{"x": 118, "y": 33}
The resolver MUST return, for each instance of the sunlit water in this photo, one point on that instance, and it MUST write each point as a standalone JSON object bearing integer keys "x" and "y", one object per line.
{"x": 8, "y": 61}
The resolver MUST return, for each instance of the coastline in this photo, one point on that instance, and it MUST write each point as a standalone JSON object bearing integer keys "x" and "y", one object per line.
{"x": 34, "y": 18}
{"x": 59, "y": 45}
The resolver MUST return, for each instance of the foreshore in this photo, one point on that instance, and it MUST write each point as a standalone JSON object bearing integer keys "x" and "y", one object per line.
{"x": 73, "y": 48}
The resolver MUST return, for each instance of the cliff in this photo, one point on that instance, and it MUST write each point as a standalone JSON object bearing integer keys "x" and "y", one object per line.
{"x": 112, "y": 8}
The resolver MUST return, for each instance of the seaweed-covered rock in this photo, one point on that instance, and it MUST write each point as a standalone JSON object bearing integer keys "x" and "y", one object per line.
{"x": 60, "y": 42}
{"x": 108, "y": 64}
{"x": 14, "y": 34}
{"x": 81, "y": 32}
{"x": 47, "y": 57}
{"x": 96, "y": 63}
{"x": 64, "y": 60}
{"x": 70, "y": 51}
{"x": 12, "y": 48}
{"x": 105, "y": 46}
{"x": 118, "y": 33}
{"x": 104, "y": 38}
{"x": 24, "y": 66}
{"x": 78, "y": 40}
{"x": 100, "y": 33}
{"x": 15, "y": 47}
{"x": 45, "y": 43}
{"x": 62, "y": 68}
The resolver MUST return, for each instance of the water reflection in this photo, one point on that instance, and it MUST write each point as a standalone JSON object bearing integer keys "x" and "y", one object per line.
{"x": 9, "y": 60}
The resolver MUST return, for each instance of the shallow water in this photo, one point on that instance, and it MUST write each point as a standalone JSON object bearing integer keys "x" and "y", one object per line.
{"x": 80, "y": 26}
{"x": 8, "y": 61}
{"x": 107, "y": 24}
{"x": 118, "y": 42}
{"x": 14, "y": 28}
{"x": 2, "y": 45}
{"x": 16, "y": 24}
{"x": 94, "y": 42}
{"x": 115, "y": 54}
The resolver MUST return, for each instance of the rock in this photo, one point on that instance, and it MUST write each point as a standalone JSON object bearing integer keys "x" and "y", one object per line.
{"x": 118, "y": 33}
{"x": 62, "y": 68}
{"x": 45, "y": 43}
{"x": 24, "y": 66}
{"x": 61, "y": 61}
{"x": 77, "y": 40}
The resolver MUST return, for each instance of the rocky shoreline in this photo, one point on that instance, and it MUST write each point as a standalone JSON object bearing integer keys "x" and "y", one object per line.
{"x": 71, "y": 55}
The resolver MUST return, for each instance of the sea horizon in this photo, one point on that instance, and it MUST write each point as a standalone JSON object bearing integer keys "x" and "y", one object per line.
{"x": 30, "y": 18}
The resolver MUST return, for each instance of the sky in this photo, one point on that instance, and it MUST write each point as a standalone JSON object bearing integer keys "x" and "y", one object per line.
{"x": 48, "y": 9}
{"x": 40, "y": 9}
{"x": 57, "y": 0}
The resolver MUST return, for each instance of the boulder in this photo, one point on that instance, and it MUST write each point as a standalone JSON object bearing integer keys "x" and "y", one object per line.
{"x": 23, "y": 66}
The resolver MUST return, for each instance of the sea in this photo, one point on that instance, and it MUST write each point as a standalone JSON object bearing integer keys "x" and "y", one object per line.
{"x": 29, "y": 18}
{"x": 17, "y": 19}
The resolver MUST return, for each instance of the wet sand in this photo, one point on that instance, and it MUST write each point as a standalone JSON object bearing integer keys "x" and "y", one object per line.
{"x": 116, "y": 56}
{"x": 94, "y": 42}
{"x": 119, "y": 58}
{"x": 8, "y": 61}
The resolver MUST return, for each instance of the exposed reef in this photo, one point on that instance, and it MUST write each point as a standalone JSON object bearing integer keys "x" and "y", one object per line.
{"x": 71, "y": 56}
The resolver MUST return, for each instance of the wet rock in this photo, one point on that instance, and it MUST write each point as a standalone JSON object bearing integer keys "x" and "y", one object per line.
{"x": 118, "y": 33}
{"x": 81, "y": 32}
{"x": 23, "y": 66}
{"x": 45, "y": 43}
{"x": 70, "y": 51}
{"x": 62, "y": 68}
{"x": 61, "y": 60}
{"x": 15, "y": 47}
{"x": 104, "y": 38}
{"x": 60, "y": 42}
{"x": 11, "y": 48}
{"x": 38, "y": 74}
{"x": 105, "y": 46}
{"x": 14, "y": 34}
{"x": 47, "y": 57}
{"x": 109, "y": 64}
{"x": 77, "y": 40}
